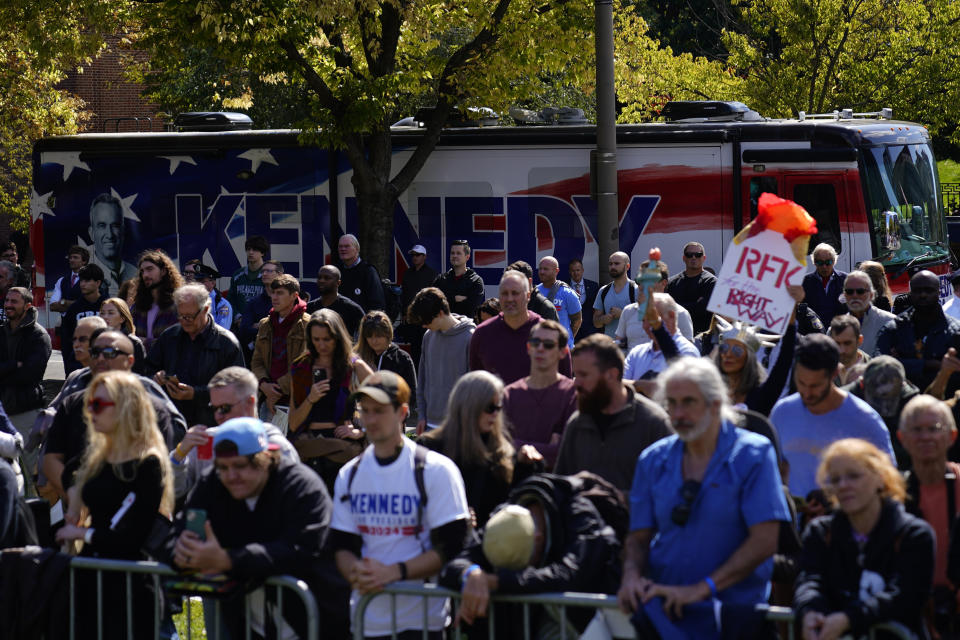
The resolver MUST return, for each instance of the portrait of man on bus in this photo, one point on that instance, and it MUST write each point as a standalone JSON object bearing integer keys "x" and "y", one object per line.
{"x": 106, "y": 233}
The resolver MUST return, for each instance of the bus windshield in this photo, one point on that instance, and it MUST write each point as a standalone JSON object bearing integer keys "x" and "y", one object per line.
{"x": 902, "y": 191}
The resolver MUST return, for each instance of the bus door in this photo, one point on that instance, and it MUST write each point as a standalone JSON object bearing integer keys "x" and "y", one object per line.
{"x": 824, "y": 198}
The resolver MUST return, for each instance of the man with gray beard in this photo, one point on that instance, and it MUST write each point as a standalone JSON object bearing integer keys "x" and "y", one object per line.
{"x": 858, "y": 293}
{"x": 613, "y": 423}
{"x": 710, "y": 481}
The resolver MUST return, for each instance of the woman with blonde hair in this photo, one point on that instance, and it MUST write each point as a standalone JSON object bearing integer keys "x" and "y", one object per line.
{"x": 117, "y": 315}
{"x": 869, "y": 561}
{"x": 878, "y": 277}
{"x": 474, "y": 436}
{"x": 375, "y": 345}
{"x": 124, "y": 482}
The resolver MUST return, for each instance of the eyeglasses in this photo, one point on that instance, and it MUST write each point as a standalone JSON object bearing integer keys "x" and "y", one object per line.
{"x": 930, "y": 430}
{"x": 224, "y": 408}
{"x": 536, "y": 342}
{"x": 688, "y": 493}
{"x": 735, "y": 349}
{"x": 492, "y": 408}
{"x": 693, "y": 254}
{"x": 823, "y": 263}
{"x": 189, "y": 317}
{"x": 97, "y": 405}
{"x": 109, "y": 353}
{"x": 858, "y": 290}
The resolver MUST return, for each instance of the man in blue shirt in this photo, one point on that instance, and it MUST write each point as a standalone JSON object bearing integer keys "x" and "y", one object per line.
{"x": 710, "y": 482}
{"x": 565, "y": 299}
{"x": 821, "y": 413}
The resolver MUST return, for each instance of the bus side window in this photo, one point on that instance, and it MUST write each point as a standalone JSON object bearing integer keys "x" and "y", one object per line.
{"x": 759, "y": 186}
{"x": 820, "y": 201}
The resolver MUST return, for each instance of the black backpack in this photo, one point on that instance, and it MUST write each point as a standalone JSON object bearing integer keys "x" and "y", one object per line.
{"x": 606, "y": 288}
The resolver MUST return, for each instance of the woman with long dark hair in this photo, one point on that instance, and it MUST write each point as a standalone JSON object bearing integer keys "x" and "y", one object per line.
{"x": 375, "y": 345}
{"x": 322, "y": 380}
{"x": 475, "y": 437}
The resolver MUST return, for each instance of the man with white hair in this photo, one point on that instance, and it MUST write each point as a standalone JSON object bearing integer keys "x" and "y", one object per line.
{"x": 359, "y": 280}
{"x": 187, "y": 355}
{"x": 499, "y": 345}
{"x": 646, "y": 360}
{"x": 565, "y": 300}
{"x": 859, "y": 293}
{"x": 822, "y": 287}
{"x": 710, "y": 481}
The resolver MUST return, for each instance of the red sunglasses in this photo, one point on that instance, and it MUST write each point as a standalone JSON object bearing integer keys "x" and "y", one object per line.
{"x": 97, "y": 405}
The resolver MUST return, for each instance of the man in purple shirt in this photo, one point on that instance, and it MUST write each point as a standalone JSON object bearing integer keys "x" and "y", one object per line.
{"x": 539, "y": 405}
{"x": 499, "y": 345}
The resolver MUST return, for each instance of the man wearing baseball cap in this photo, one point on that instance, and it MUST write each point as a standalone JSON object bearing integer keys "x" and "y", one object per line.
{"x": 418, "y": 276}
{"x": 399, "y": 513}
{"x": 265, "y": 516}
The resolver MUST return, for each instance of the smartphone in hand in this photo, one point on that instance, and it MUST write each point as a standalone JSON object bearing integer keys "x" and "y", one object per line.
{"x": 196, "y": 519}
{"x": 319, "y": 375}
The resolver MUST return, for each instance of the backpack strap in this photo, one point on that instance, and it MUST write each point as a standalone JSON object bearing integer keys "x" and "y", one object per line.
{"x": 419, "y": 464}
{"x": 350, "y": 476}
{"x": 633, "y": 292}
{"x": 603, "y": 295}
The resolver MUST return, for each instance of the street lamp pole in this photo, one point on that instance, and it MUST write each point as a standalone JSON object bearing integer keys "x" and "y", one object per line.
{"x": 603, "y": 159}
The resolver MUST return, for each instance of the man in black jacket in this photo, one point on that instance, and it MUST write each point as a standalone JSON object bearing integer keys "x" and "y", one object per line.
{"x": 88, "y": 304}
{"x": 188, "y": 354}
{"x": 547, "y": 538}
{"x": 461, "y": 284}
{"x": 24, "y": 352}
{"x": 265, "y": 516}
{"x": 328, "y": 285}
{"x": 360, "y": 280}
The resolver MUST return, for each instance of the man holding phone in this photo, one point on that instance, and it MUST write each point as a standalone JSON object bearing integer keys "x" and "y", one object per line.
{"x": 233, "y": 394}
{"x": 260, "y": 515}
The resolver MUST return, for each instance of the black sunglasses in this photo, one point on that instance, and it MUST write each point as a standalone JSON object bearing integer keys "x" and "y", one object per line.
{"x": 859, "y": 291}
{"x": 823, "y": 263}
{"x": 107, "y": 352}
{"x": 536, "y": 342}
{"x": 693, "y": 254}
{"x": 224, "y": 408}
{"x": 688, "y": 493}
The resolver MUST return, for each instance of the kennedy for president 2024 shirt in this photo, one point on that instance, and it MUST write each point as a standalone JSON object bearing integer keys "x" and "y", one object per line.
{"x": 382, "y": 509}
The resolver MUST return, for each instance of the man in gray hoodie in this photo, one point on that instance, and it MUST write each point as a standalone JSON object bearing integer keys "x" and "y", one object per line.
{"x": 445, "y": 355}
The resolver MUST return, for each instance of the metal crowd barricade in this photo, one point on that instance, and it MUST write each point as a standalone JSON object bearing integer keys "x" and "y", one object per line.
{"x": 157, "y": 570}
{"x": 560, "y": 601}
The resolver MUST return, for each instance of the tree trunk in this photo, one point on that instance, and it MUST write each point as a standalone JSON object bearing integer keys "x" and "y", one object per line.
{"x": 375, "y": 206}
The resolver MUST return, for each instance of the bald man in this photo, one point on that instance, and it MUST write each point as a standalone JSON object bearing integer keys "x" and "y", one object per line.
{"x": 920, "y": 336}
{"x": 565, "y": 300}
{"x": 613, "y": 297}
{"x": 328, "y": 286}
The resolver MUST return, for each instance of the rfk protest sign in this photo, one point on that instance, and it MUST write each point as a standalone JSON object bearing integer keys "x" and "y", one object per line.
{"x": 753, "y": 279}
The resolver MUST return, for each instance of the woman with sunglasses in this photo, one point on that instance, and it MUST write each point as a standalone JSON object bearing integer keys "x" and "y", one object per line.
{"x": 117, "y": 315}
{"x": 322, "y": 380}
{"x": 378, "y": 350}
{"x": 474, "y": 436}
{"x": 124, "y": 482}
{"x": 868, "y": 562}
{"x": 736, "y": 358}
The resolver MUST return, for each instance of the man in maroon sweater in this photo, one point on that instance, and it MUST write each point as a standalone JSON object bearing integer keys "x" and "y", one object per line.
{"x": 539, "y": 405}
{"x": 499, "y": 345}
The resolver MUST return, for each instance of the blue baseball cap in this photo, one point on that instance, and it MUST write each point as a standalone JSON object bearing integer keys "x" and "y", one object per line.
{"x": 248, "y": 435}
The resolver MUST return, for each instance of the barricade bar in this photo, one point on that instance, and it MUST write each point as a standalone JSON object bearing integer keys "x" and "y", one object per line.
{"x": 157, "y": 570}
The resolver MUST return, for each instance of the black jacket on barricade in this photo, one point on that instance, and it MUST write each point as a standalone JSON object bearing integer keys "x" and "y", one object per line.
{"x": 897, "y": 559}
{"x": 284, "y": 534}
{"x": 194, "y": 362}
{"x": 583, "y": 553}
{"x": 28, "y": 344}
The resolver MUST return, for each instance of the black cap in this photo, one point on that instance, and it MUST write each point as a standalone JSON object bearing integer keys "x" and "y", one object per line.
{"x": 203, "y": 271}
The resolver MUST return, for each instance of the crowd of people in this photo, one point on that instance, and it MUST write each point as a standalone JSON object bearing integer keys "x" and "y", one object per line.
{"x": 561, "y": 436}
